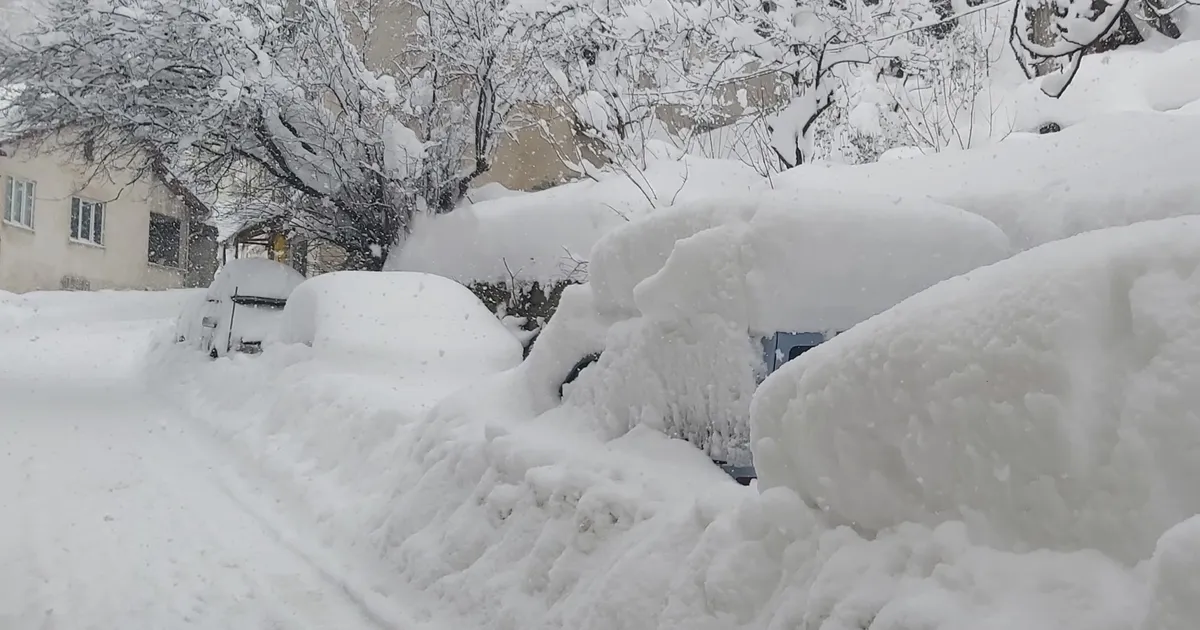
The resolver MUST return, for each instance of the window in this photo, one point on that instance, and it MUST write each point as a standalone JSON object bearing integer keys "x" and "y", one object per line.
{"x": 18, "y": 202}
{"x": 87, "y": 221}
{"x": 164, "y": 240}
{"x": 797, "y": 351}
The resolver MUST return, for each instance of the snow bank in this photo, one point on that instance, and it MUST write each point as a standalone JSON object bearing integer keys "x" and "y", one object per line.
{"x": 505, "y": 519}
{"x": 355, "y": 314}
{"x": 13, "y": 310}
{"x": 1048, "y": 400}
{"x": 543, "y": 236}
{"x": 1105, "y": 172}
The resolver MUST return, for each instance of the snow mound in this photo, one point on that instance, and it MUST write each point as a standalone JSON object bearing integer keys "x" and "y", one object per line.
{"x": 257, "y": 277}
{"x": 1175, "y": 579}
{"x": 544, "y": 236}
{"x": 358, "y": 314}
{"x": 1129, "y": 79}
{"x": 1106, "y": 172}
{"x": 1048, "y": 400}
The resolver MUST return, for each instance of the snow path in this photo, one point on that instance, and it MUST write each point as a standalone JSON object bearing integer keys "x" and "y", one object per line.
{"x": 112, "y": 515}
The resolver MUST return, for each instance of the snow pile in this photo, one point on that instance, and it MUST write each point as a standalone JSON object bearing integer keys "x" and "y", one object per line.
{"x": 13, "y": 310}
{"x": 352, "y": 315}
{"x": 1129, "y": 79}
{"x": 507, "y": 508}
{"x": 1048, "y": 401}
{"x": 544, "y": 236}
{"x": 1106, "y": 172}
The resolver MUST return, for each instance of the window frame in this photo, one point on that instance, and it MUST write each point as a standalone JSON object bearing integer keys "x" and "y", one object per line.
{"x": 95, "y": 237}
{"x": 29, "y": 198}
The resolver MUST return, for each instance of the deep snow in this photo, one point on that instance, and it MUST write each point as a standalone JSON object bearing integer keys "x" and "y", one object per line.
{"x": 501, "y": 505}
{"x": 1048, "y": 401}
{"x": 117, "y": 513}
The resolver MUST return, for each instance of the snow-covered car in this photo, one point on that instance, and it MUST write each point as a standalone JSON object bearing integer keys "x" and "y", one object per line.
{"x": 688, "y": 310}
{"x": 241, "y": 308}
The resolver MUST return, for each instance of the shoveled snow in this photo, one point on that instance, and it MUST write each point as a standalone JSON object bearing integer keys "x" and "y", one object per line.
{"x": 1049, "y": 401}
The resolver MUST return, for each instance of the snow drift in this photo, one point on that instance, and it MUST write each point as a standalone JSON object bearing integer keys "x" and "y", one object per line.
{"x": 1049, "y": 400}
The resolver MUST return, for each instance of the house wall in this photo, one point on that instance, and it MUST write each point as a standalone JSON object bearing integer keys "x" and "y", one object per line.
{"x": 44, "y": 257}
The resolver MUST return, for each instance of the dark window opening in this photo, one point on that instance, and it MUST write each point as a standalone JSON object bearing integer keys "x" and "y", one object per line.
{"x": 164, "y": 240}
{"x": 797, "y": 351}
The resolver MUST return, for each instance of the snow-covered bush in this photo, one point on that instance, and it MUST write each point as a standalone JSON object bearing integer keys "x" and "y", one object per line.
{"x": 1047, "y": 400}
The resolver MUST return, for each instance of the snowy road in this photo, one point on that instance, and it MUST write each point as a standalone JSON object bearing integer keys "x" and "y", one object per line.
{"x": 113, "y": 515}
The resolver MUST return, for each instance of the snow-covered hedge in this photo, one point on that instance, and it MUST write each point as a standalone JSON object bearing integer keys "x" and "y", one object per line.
{"x": 1049, "y": 400}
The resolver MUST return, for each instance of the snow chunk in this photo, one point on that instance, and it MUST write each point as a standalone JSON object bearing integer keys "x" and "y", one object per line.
{"x": 1175, "y": 579}
{"x": 1049, "y": 400}
{"x": 354, "y": 315}
{"x": 1106, "y": 172}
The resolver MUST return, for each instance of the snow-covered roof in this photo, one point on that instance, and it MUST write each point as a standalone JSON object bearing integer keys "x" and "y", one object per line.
{"x": 788, "y": 261}
{"x": 544, "y": 235}
{"x": 257, "y": 277}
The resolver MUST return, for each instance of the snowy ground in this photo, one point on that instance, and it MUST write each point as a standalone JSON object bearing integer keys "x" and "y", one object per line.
{"x": 116, "y": 514}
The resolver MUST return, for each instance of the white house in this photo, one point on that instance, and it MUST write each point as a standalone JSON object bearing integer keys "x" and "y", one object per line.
{"x": 64, "y": 230}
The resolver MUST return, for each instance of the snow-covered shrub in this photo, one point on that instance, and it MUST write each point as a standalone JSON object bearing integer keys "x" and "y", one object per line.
{"x": 1048, "y": 400}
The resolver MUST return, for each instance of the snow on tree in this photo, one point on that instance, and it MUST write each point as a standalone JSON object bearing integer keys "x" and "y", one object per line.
{"x": 1050, "y": 37}
{"x": 273, "y": 97}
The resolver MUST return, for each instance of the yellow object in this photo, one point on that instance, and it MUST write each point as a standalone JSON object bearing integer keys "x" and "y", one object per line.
{"x": 279, "y": 247}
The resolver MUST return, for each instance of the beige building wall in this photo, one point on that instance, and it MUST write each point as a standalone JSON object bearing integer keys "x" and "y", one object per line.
{"x": 534, "y": 156}
{"x": 46, "y": 258}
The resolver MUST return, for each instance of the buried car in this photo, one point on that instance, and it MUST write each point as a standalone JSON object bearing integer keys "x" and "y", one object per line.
{"x": 688, "y": 310}
{"x": 241, "y": 308}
